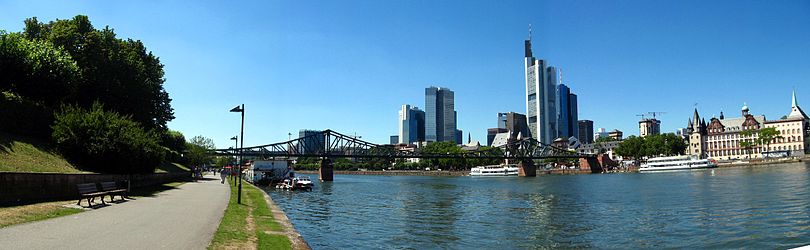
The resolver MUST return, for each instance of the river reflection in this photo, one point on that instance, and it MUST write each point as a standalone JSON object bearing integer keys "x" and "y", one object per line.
{"x": 752, "y": 207}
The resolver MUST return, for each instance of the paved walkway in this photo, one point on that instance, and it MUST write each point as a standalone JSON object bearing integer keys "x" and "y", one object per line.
{"x": 182, "y": 218}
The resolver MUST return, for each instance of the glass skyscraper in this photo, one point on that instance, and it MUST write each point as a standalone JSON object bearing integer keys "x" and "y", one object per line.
{"x": 440, "y": 115}
{"x": 568, "y": 124}
{"x": 411, "y": 124}
{"x": 541, "y": 109}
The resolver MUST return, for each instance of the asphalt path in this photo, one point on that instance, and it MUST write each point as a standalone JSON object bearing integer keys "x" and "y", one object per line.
{"x": 182, "y": 218}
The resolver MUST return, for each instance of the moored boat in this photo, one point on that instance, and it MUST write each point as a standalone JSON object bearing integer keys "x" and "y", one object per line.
{"x": 494, "y": 170}
{"x": 681, "y": 162}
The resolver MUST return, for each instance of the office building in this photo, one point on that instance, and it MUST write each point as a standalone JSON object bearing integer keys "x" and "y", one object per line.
{"x": 567, "y": 118}
{"x": 440, "y": 116}
{"x": 585, "y": 128}
{"x": 459, "y": 137}
{"x": 616, "y": 135}
{"x": 492, "y": 132}
{"x": 649, "y": 126}
{"x": 312, "y": 141}
{"x": 411, "y": 125}
{"x": 721, "y": 139}
{"x": 600, "y": 133}
{"x": 541, "y": 98}
{"x": 514, "y": 122}
{"x": 394, "y": 140}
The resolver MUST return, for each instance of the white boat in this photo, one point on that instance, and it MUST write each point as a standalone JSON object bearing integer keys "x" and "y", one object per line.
{"x": 494, "y": 170}
{"x": 302, "y": 182}
{"x": 681, "y": 162}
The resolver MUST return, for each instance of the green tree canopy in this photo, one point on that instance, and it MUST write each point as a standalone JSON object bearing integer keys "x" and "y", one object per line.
{"x": 37, "y": 70}
{"x": 105, "y": 141}
{"x": 198, "y": 150}
{"x": 651, "y": 146}
{"x": 121, "y": 74}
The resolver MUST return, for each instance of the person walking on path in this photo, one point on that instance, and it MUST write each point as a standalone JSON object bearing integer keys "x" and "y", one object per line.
{"x": 222, "y": 175}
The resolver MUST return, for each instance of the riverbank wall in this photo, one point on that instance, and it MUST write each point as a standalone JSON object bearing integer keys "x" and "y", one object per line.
{"x": 23, "y": 188}
{"x": 760, "y": 162}
{"x": 444, "y": 173}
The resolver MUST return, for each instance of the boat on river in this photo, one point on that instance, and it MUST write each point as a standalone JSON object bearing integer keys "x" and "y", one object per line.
{"x": 681, "y": 162}
{"x": 296, "y": 183}
{"x": 494, "y": 170}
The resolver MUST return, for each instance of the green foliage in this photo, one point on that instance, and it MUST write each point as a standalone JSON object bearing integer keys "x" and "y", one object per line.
{"x": 651, "y": 146}
{"x": 121, "y": 74}
{"x": 768, "y": 136}
{"x": 24, "y": 117}
{"x": 199, "y": 150}
{"x": 104, "y": 141}
{"x": 36, "y": 69}
{"x": 175, "y": 144}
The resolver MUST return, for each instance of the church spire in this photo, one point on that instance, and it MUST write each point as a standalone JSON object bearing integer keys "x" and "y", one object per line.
{"x": 794, "y": 99}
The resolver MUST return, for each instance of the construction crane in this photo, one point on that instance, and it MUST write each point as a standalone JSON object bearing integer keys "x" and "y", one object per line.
{"x": 656, "y": 113}
{"x": 642, "y": 116}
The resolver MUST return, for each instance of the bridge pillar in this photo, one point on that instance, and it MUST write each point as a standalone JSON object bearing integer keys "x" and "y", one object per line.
{"x": 526, "y": 168}
{"x": 325, "y": 172}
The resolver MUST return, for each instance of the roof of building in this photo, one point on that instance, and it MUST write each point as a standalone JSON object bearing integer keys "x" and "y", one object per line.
{"x": 796, "y": 111}
{"x": 737, "y": 122}
{"x": 500, "y": 139}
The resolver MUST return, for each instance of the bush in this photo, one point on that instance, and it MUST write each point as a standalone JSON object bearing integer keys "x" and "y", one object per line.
{"x": 23, "y": 117}
{"x": 106, "y": 142}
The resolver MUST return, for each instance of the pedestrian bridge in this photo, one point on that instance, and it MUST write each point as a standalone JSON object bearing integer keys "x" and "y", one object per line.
{"x": 329, "y": 145}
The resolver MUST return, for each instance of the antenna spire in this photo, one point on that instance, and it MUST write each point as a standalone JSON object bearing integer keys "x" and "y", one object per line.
{"x": 530, "y": 32}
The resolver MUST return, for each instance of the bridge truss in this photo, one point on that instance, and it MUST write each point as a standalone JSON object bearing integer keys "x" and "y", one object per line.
{"x": 331, "y": 144}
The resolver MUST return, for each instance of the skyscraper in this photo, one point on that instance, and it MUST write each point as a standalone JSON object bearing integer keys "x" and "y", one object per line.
{"x": 585, "y": 128}
{"x": 541, "y": 110}
{"x": 514, "y": 122}
{"x": 440, "y": 115}
{"x": 312, "y": 141}
{"x": 411, "y": 124}
{"x": 567, "y": 112}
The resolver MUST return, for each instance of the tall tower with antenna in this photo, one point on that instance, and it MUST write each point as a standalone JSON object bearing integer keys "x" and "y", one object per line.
{"x": 541, "y": 108}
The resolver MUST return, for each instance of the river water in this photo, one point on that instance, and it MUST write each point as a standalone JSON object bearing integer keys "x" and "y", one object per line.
{"x": 750, "y": 207}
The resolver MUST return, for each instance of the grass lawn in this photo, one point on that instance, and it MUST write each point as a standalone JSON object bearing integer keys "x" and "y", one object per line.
{"x": 250, "y": 224}
{"x": 34, "y": 212}
{"x": 25, "y": 154}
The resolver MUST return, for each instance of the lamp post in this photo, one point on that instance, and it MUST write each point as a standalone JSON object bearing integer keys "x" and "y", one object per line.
{"x": 235, "y": 146}
{"x": 241, "y": 149}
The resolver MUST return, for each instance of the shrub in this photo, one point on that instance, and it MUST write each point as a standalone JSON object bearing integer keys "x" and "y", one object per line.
{"x": 23, "y": 117}
{"x": 106, "y": 142}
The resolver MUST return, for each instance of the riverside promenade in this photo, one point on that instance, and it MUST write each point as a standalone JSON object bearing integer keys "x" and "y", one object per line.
{"x": 182, "y": 218}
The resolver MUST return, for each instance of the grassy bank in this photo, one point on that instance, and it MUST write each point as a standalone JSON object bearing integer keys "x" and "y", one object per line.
{"x": 34, "y": 212}
{"x": 26, "y": 154}
{"x": 249, "y": 225}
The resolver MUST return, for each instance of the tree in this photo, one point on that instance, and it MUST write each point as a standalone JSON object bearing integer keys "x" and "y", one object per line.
{"x": 175, "y": 144}
{"x": 748, "y": 144}
{"x": 105, "y": 141}
{"x": 631, "y": 147}
{"x": 121, "y": 74}
{"x": 768, "y": 136}
{"x": 198, "y": 150}
{"x": 36, "y": 70}
{"x": 651, "y": 146}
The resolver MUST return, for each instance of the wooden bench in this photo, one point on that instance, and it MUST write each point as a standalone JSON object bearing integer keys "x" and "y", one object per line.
{"x": 89, "y": 191}
{"x": 112, "y": 189}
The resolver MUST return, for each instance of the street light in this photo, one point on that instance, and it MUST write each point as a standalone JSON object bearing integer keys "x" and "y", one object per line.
{"x": 235, "y": 146}
{"x": 242, "y": 135}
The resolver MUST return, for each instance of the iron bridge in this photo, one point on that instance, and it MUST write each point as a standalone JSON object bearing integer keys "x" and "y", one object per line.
{"x": 331, "y": 144}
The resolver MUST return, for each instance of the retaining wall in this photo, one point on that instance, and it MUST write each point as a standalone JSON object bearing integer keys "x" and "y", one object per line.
{"x": 20, "y": 188}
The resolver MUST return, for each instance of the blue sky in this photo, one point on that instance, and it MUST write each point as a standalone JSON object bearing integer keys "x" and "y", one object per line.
{"x": 349, "y": 65}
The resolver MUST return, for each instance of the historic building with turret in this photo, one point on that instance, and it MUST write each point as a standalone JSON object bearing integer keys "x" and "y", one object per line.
{"x": 721, "y": 138}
